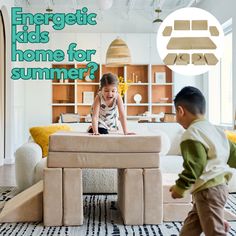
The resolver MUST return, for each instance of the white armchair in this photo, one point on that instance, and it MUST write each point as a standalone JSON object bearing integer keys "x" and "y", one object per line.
{"x": 29, "y": 166}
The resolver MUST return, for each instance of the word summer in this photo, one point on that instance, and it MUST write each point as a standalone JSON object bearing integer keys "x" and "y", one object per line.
{"x": 50, "y": 73}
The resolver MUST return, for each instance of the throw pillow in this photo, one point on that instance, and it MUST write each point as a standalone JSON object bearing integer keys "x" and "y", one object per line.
{"x": 41, "y": 135}
{"x": 231, "y": 135}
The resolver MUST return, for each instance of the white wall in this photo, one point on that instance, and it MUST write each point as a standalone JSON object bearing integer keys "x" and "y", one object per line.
{"x": 223, "y": 10}
{"x": 5, "y": 6}
{"x": 182, "y": 81}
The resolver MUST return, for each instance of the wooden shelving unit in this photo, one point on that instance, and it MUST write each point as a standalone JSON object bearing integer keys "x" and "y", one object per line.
{"x": 67, "y": 97}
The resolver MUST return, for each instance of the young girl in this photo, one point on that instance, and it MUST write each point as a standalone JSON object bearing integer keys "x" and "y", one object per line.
{"x": 106, "y": 106}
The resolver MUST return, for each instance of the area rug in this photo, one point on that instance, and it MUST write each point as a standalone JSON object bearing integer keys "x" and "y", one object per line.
{"x": 101, "y": 217}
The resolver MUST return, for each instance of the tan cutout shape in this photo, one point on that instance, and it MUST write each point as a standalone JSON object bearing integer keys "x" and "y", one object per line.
{"x": 199, "y": 25}
{"x": 198, "y": 59}
{"x": 183, "y": 59}
{"x": 187, "y": 43}
{"x": 181, "y": 25}
{"x": 214, "y": 31}
{"x": 167, "y": 31}
{"x": 211, "y": 59}
{"x": 170, "y": 59}
{"x": 26, "y": 206}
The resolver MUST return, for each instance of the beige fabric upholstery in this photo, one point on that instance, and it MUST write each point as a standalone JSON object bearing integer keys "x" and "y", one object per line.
{"x": 198, "y": 59}
{"x": 167, "y": 31}
{"x": 52, "y": 197}
{"x": 153, "y": 200}
{"x": 181, "y": 25}
{"x": 130, "y": 196}
{"x": 103, "y": 160}
{"x": 186, "y": 43}
{"x": 168, "y": 181}
{"x": 176, "y": 211}
{"x": 72, "y": 196}
{"x": 199, "y": 25}
{"x": 27, "y": 206}
{"x": 82, "y": 142}
{"x": 211, "y": 59}
{"x": 214, "y": 31}
{"x": 170, "y": 59}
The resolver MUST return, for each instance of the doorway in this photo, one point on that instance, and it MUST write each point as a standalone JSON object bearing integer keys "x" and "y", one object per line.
{"x": 2, "y": 87}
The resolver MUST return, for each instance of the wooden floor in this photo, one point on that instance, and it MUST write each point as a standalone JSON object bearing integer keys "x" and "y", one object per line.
{"x": 7, "y": 175}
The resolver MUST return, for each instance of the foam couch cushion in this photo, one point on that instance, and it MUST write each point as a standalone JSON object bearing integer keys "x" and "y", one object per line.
{"x": 84, "y": 142}
{"x": 103, "y": 160}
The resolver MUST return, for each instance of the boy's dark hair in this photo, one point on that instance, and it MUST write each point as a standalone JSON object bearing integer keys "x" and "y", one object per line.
{"x": 191, "y": 99}
{"x": 108, "y": 79}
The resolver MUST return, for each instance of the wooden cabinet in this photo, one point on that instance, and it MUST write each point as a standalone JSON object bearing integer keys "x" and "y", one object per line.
{"x": 153, "y": 83}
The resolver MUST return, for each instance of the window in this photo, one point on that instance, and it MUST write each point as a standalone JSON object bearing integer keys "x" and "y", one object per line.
{"x": 220, "y": 84}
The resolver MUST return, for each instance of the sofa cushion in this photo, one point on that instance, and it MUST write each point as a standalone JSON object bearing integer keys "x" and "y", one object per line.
{"x": 171, "y": 164}
{"x": 102, "y": 160}
{"x": 41, "y": 135}
{"x": 231, "y": 135}
{"x": 117, "y": 143}
{"x": 174, "y": 132}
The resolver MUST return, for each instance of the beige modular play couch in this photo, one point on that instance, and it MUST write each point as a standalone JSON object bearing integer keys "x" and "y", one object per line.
{"x": 30, "y": 165}
{"x": 140, "y": 180}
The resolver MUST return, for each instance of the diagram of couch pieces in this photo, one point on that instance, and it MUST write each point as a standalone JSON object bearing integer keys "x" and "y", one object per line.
{"x": 196, "y": 44}
{"x": 196, "y": 59}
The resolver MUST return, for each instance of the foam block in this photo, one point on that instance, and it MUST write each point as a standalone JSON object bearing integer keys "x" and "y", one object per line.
{"x": 187, "y": 43}
{"x": 168, "y": 180}
{"x": 176, "y": 212}
{"x": 153, "y": 199}
{"x": 214, "y": 31}
{"x": 102, "y": 160}
{"x": 181, "y": 25}
{"x": 199, "y": 25}
{"x": 211, "y": 59}
{"x": 198, "y": 59}
{"x": 73, "y": 198}
{"x": 52, "y": 197}
{"x": 167, "y": 31}
{"x": 170, "y": 59}
{"x": 183, "y": 59}
{"x": 131, "y": 196}
{"x": 27, "y": 206}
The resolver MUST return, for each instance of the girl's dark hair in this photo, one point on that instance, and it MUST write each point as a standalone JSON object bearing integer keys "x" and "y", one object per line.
{"x": 108, "y": 79}
{"x": 192, "y": 99}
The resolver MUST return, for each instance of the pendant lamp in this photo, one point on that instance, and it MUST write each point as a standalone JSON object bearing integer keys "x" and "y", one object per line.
{"x": 118, "y": 54}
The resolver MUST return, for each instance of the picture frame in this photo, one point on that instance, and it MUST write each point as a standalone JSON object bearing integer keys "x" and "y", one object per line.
{"x": 88, "y": 98}
{"x": 69, "y": 118}
{"x": 160, "y": 77}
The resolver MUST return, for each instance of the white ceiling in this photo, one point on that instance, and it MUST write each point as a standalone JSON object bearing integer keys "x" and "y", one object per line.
{"x": 134, "y": 16}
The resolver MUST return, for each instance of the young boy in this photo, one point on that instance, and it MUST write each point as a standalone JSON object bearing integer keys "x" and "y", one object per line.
{"x": 206, "y": 151}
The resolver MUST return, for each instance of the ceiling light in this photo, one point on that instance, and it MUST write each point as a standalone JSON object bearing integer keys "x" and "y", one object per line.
{"x": 118, "y": 53}
{"x": 158, "y": 10}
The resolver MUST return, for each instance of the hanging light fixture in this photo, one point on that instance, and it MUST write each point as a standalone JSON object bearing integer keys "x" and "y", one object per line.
{"x": 118, "y": 53}
{"x": 158, "y": 11}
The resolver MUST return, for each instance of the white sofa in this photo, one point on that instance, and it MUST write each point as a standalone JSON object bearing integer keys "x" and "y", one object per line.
{"x": 29, "y": 163}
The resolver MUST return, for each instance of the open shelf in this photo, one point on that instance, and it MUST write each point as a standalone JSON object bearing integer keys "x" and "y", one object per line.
{"x": 69, "y": 96}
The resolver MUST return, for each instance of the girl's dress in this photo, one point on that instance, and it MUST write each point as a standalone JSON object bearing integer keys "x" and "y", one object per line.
{"x": 108, "y": 116}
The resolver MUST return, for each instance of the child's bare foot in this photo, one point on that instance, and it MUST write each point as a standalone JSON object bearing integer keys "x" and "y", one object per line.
{"x": 227, "y": 226}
